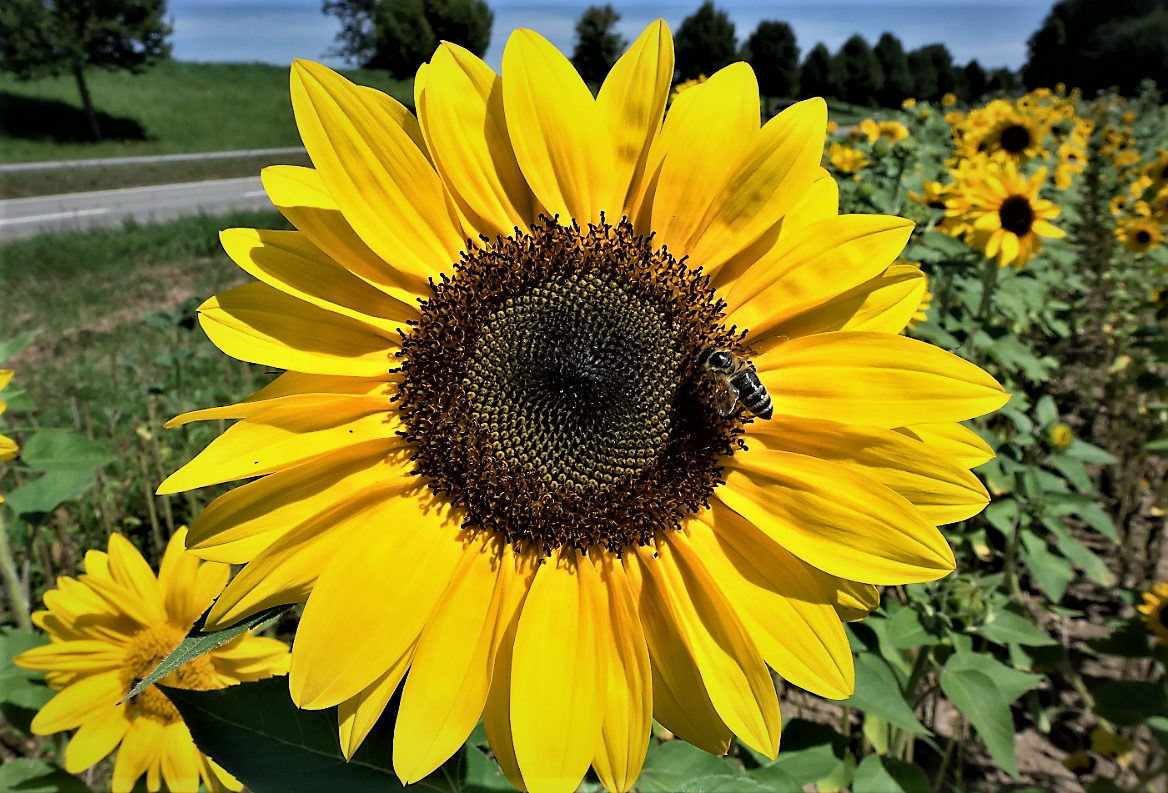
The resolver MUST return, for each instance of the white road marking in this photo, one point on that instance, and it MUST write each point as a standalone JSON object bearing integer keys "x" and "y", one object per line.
{"x": 76, "y": 213}
{"x": 255, "y": 193}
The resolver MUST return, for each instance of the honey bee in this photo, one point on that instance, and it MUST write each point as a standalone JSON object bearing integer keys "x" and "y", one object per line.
{"x": 735, "y": 380}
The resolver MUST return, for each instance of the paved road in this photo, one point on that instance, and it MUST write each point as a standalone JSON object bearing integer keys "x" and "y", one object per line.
{"x": 27, "y": 217}
{"x": 103, "y": 162}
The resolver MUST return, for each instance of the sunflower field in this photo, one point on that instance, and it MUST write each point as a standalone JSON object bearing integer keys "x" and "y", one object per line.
{"x": 874, "y": 437}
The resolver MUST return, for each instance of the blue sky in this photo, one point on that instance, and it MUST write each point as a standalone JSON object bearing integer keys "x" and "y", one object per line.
{"x": 276, "y": 31}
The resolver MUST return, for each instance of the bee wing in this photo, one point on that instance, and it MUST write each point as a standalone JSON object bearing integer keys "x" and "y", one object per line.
{"x": 725, "y": 396}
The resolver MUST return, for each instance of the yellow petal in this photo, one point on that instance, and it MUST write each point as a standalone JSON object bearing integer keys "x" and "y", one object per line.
{"x": 88, "y": 656}
{"x": 557, "y": 661}
{"x": 782, "y": 606}
{"x": 834, "y": 518}
{"x": 643, "y": 190}
{"x": 357, "y": 715}
{"x": 140, "y": 753}
{"x": 768, "y": 181}
{"x": 813, "y": 265}
{"x": 955, "y": 440}
{"x": 631, "y": 103}
{"x": 935, "y": 484}
{"x": 737, "y": 679}
{"x": 97, "y": 737}
{"x": 715, "y": 130}
{"x": 88, "y": 698}
{"x": 853, "y": 601}
{"x": 384, "y": 185}
{"x": 289, "y": 262}
{"x": 176, "y": 577}
{"x": 241, "y": 523}
{"x": 883, "y": 304}
{"x": 680, "y": 700}
{"x": 628, "y": 707}
{"x": 858, "y": 377}
{"x": 180, "y": 759}
{"x": 130, "y": 570}
{"x": 287, "y": 570}
{"x": 560, "y": 140}
{"x": 451, "y": 673}
{"x": 279, "y": 438}
{"x": 462, "y": 108}
{"x": 372, "y": 600}
{"x": 6, "y": 376}
{"x": 300, "y": 195}
{"x": 259, "y": 324}
{"x": 251, "y": 657}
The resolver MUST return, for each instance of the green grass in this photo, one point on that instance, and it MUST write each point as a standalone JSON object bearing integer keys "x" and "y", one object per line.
{"x": 174, "y": 107}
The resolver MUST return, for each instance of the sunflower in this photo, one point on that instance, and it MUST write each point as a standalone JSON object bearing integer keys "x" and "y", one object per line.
{"x": 1139, "y": 234}
{"x": 908, "y": 104}
{"x": 113, "y": 625}
{"x": 846, "y": 159}
{"x": 932, "y": 195}
{"x": 7, "y": 445}
{"x": 1155, "y": 611}
{"x": 495, "y": 468}
{"x": 1061, "y": 436}
{"x": 999, "y": 212}
{"x": 1156, "y": 172}
{"x": 1119, "y": 203}
{"x": 949, "y": 99}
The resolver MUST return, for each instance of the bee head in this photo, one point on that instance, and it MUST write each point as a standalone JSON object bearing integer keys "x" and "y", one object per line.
{"x": 715, "y": 360}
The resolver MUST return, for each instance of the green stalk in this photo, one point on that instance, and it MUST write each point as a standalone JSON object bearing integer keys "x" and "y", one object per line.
{"x": 12, "y": 583}
{"x": 989, "y": 282}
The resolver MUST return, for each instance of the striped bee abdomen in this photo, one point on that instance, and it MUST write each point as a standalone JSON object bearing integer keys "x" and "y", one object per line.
{"x": 752, "y": 393}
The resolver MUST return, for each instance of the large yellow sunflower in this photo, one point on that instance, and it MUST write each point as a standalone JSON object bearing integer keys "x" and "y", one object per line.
{"x": 495, "y": 469}
{"x": 1139, "y": 234}
{"x": 999, "y": 211}
{"x": 111, "y": 627}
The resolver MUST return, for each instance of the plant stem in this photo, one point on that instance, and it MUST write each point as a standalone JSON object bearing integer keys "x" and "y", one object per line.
{"x": 989, "y": 281}
{"x": 12, "y": 583}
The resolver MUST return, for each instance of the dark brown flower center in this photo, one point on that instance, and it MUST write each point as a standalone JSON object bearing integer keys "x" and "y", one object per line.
{"x": 1162, "y": 614}
{"x": 1016, "y": 214}
{"x": 1143, "y": 237}
{"x": 1015, "y": 138}
{"x": 551, "y": 388}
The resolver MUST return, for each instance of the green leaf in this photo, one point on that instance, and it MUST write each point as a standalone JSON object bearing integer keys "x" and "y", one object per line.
{"x": 1046, "y": 411}
{"x": 13, "y": 346}
{"x": 669, "y": 765}
{"x": 878, "y": 774}
{"x": 1089, "y": 453}
{"x": 37, "y": 776}
{"x": 810, "y": 751}
{"x": 944, "y": 243}
{"x": 1012, "y": 683}
{"x": 1052, "y": 573}
{"x": 1102, "y": 785}
{"x": 977, "y": 696}
{"x": 840, "y": 778}
{"x": 13, "y": 643}
{"x": 1159, "y": 727}
{"x": 1130, "y": 702}
{"x": 1002, "y": 513}
{"x": 730, "y": 783}
{"x": 1074, "y": 471}
{"x": 197, "y": 643}
{"x": 52, "y": 450}
{"x": 877, "y": 692}
{"x": 776, "y": 778}
{"x": 1128, "y": 639}
{"x": 255, "y": 732}
{"x": 904, "y": 631}
{"x": 1086, "y": 560}
{"x": 1006, "y": 626}
{"x": 18, "y": 400}
{"x": 45, "y": 494}
{"x": 1086, "y": 508}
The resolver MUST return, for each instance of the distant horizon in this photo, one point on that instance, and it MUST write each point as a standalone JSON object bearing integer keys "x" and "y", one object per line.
{"x": 993, "y": 32}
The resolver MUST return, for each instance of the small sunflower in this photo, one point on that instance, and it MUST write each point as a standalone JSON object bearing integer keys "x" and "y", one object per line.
{"x": 1155, "y": 611}
{"x": 497, "y": 468}
{"x": 1156, "y": 172}
{"x": 949, "y": 99}
{"x": 999, "y": 212}
{"x": 1016, "y": 136}
{"x": 1119, "y": 203}
{"x": 686, "y": 85}
{"x": 112, "y": 626}
{"x": 846, "y": 159}
{"x": 1061, "y": 436}
{"x": 1159, "y": 296}
{"x": 1139, "y": 234}
{"x": 933, "y": 194}
{"x": 908, "y": 104}
{"x": 7, "y": 445}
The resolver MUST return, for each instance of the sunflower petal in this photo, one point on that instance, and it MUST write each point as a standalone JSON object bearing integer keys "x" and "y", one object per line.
{"x": 839, "y": 520}
{"x": 462, "y": 108}
{"x": 97, "y": 737}
{"x": 180, "y": 759}
{"x": 380, "y": 179}
{"x": 556, "y": 657}
{"x": 628, "y": 710}
{"x": 259, "y": 324}
{"x": 358, "y": 714}
{"x": 955, "y": 440}
{"x": 296, "y": 389}
{"x": 782, "y": 606}
{"x": 372, "y": 600}
{"x": 447, "y": 687}
{"x": 859, "y": 377}
{"x": 560, "y": 140}
{"x": 85, "y": 699}
{"x": 632, "y": 100}
{"x": 139, "y": 754}
{"x": 941, "y": 489}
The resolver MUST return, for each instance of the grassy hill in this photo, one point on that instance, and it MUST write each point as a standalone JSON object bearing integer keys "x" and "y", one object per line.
{"x": 174, "y": 107}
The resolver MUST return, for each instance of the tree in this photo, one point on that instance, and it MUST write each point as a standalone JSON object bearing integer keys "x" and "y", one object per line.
{"x": 704, "y": 43}
{"x": 773, "y": 53}
{"x": 898, "y": 80}
{"x": 947, "y": 79}
{"x": 820, "y": 76}
{"x": 924, "y": 73}
{"x": 598, "y": 45}
{"x": 860, "y": 72}
{"x": 401, "y": 35}
{"x": 976, "y": 80}
{"x": 43, "y": 38}
{"x": 1002, "y": 80}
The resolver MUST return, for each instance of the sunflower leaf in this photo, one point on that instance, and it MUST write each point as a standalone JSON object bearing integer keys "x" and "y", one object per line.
{"x": 981, "y": 701}
{"x": 197, "y": 643}
{"x": 37, "y": 776}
